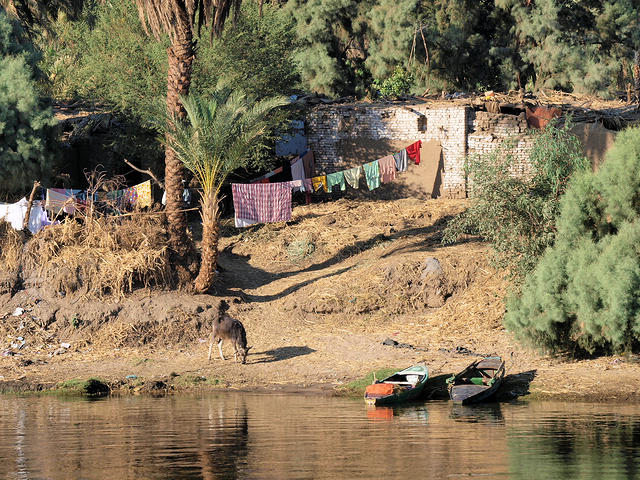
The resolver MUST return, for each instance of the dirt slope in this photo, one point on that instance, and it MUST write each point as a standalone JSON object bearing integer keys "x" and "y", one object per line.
{"x": 318, "y": 297}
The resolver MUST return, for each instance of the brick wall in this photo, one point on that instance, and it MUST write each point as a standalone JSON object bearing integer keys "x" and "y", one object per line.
{"x": 486, "y": 131}
{"x": 331, "y": 129}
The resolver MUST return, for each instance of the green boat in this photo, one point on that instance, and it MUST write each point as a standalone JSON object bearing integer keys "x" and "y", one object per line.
{"x": 400, "y": 387}
{"x": 478, "y": 382}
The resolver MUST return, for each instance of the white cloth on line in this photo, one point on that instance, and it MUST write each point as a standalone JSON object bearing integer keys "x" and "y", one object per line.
{"x": 14, "y": 214}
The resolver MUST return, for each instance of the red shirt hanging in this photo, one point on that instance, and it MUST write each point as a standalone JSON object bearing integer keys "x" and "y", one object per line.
{"x": 413, "y": 151}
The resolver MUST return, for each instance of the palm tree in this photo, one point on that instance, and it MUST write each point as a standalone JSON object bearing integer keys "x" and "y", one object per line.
{"x": 177, "y": 18}
{"x": 216, "y": 138}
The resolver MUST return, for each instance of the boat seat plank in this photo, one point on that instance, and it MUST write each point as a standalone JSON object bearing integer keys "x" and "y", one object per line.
{"x": 489, "y": 363}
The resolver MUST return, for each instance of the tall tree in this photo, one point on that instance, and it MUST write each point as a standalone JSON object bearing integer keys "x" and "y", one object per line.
{"x": 28, "y": 137}
{"x": 573, "y": 45}
{"x": 331, "y": 38}
{"x": 216, "y": 139}
{"x": 178, "y": 18}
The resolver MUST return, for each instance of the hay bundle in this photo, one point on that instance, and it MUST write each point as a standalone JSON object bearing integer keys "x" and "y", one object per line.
{"x": 100, "y": 256}
{"x": 11, "y": 246}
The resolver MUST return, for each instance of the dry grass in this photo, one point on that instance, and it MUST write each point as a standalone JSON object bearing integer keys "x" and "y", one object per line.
{"x": 11, "y": 243}
{"x": 100, "y": 256}
{"x": 11, "y": 247}
{"x": 341, "y": 229}
{"x": 369, "y": 261}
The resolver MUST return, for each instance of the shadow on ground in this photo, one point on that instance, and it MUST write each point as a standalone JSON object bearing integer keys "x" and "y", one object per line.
{"x": 239, "y": 273}
{"x": 283, "y": 353}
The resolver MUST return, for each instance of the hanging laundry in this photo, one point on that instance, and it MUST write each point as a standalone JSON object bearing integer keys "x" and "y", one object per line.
{"x": 186, "y": 194}
{"x": 143, "y": 191}
{"x": 130, "y": 197}
{"x": 387, "y": 169}
{"x": 309, "y": 163}
{"x": 14, "y": 213}
{"x": 60, "y": 199}
{"x": 265, "y": 178}
{"x": 319, "y": 182}
{"x": 303, "y": 185}
{"x": 352, "y": 176}
{"x": 401, "y": 160}
{"x": 297, "y": 173}
{"x": 261, "y": 203}
{"x": 336, "y": 178}
{"x": 413, "y": 151}
{"x": 115, "y": 197}
{"x": 372, "y": 174}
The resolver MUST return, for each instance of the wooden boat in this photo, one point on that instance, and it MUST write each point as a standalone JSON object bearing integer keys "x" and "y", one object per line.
{"x": 400, "y": 387}
{"x": 477, "y": 382}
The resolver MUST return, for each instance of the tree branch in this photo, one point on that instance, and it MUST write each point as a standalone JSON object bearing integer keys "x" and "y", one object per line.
{"x": 146, "y": 172}
{"x": 25, "y": 223}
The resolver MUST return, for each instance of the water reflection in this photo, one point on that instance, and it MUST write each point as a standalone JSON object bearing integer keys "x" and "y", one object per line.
{"x": 482, "y": 413}
{"x": 224, "y": 446}
{"x": 416, "y": 413}
{"x": 603, "y": 442}
{"x": 242, "y": 436}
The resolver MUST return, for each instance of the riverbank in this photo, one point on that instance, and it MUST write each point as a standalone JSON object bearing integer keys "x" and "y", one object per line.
{"x": 319, "y": 298}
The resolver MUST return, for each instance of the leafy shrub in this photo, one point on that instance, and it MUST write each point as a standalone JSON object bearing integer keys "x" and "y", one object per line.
{"x": 583, "y": 295}
{"x": 517, "y": 215}
{"x": 399, "y": 83}
{"x": 300, "y": 249}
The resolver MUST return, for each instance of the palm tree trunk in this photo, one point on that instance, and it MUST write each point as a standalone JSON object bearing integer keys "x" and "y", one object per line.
{"x": 636, "y": 74}
{"x": 180, "y": 55}
{"x": 210, "y": 235}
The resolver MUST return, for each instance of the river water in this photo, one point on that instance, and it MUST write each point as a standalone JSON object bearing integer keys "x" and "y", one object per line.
{"x": 270, "y": 436}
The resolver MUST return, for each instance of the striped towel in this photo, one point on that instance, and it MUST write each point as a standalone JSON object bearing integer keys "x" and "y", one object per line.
{"x": 261, "y": 202}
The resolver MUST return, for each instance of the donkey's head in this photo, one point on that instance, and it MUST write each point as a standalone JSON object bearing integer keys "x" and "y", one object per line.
{"x": 243, "y": 352}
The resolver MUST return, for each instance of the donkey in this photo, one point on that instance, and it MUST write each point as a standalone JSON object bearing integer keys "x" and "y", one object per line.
{"x": 223, "y": 327}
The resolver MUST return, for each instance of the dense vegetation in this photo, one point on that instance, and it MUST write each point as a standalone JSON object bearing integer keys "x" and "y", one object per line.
{"x": 343, "y": 47}
{"x": 583, "y": 294}
{"x": 27, "y": 131}
{"x": 517, "y": 215}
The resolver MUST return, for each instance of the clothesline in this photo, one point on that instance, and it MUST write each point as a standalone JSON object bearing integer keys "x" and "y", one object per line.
{"x": 59, "y": 200}
{"x": 263, "y": 201}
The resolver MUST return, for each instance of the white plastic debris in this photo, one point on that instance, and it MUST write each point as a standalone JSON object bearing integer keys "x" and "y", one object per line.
{"x": 65, "y": 345}
{"x": 18, "y": 311}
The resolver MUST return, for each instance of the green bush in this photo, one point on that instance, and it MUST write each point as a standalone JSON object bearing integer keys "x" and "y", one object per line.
{"x": 27, "y": 126}
{"x": 583, "y": 295}
{"x": 397, "y": 84}
{"x": 517, "y": 215}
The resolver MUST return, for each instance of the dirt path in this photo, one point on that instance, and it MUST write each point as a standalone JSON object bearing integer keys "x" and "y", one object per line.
{"x": 314, "y": 320}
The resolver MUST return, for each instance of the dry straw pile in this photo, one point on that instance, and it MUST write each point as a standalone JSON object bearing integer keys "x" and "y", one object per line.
{"x": 100, "y": 256}
{"x": 11, "y": 244}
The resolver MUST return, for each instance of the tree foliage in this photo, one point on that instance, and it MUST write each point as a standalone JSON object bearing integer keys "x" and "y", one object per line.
{"x": 221, "y": 130}
{"x": 579, "y": 46}
{"x": 106, "y": 56}
{"x": 27, "y": 126}
{"x": 330, "y": 44}
{"x": 583, "y": 295}
{"x": 517, "y": 215}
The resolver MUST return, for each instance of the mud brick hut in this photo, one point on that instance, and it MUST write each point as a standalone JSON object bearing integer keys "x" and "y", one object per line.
{"x": 349, "y": 134}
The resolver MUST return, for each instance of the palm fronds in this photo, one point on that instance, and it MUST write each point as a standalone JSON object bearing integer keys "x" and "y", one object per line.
{"x": 219, "y": 134}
